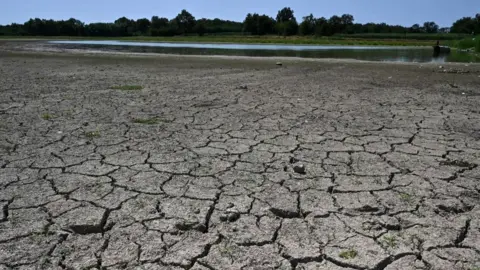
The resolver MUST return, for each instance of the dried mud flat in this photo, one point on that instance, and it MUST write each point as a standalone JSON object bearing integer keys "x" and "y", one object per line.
{"x": 237, "y": 164}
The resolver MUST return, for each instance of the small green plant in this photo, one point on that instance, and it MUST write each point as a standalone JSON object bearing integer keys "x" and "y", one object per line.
{"x": 227, "y": 250}
{"x": 146, "y": 121}
{"x": 348, "y": 254}
{"x": 37, "y": 237}
{"x": 63, "y": 251}
{"x": 390, "y": 241}
{"x": 92, "y": 134}
{"x": 140, "y": 203}
{"x": 47, "y": 116}
{"x": 406, "y": 197}
{"x": 127, "y": 87}
{"x": 45, "y": 263}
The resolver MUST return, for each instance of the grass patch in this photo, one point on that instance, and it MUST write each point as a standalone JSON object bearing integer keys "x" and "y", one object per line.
{"x": 92, "y": 134}
{"x": 45, "y": 262}
{"x": 47, "y": 116}
{"x": 406, "y": 197}
{"x": 127, "y": 87}
{"x": 37, "y": 237}
{"x": 408, "y": 36}
{"x": 467, "y": 43}
{"x": 348, "y": 254}
{"x": 390, "y": 241}
{"x": 146, "y": 121}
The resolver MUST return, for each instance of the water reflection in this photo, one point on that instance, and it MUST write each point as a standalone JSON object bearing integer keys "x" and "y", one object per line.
{"x": 370, "y": 53}
{"x": 226, "y": 46}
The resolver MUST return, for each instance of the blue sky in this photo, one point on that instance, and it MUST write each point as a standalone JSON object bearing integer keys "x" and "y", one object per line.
{"x": 403, "y": 12}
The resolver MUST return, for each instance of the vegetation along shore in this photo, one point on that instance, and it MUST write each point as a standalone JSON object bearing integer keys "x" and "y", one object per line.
{"x": 256, "y": 28}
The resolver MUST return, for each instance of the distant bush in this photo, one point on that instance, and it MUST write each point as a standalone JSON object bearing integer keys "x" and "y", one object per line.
{"x": 468, "y": 43}
{"x": 412, "y": 36}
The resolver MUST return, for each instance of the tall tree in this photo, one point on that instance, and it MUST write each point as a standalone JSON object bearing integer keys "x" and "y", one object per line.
{"x": 347, "y": 19}
{"x": 158, "y": 23}
{"x": 415, "y": 28}
{"x": 143, "y": 25}
{"x": 258, "y": 24}
{"x": 286, "y": 22}
{"x": 160, "y": 27}
{"x": 430, "y": 27}
{"x": 322, "y": 27}
{"x": 347, "y": 23}
{"x": 266, "y": 25}
{"x": 200, "y": 28}
{"x": 463, "y": 25}
{"x": 126, "y": 26}
{"x": 250, "y": 24}
{"x": 185, "y": 22}
{"x": 307, "y": 27}
{"x": 285, "y": 14}
{"x": 335, "y": 24}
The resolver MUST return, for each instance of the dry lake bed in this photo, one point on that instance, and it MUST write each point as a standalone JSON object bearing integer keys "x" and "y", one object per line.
{"x": 173, "y": 162}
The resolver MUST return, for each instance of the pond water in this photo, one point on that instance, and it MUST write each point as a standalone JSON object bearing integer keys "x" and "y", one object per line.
{"x": 371, "y": 53}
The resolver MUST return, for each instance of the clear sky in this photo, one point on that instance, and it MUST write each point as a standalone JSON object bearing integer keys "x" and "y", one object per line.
{"x": 403, "y": 12}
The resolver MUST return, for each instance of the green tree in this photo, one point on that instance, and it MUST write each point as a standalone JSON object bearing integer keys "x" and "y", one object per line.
{"x": 103, "y": 30}
{"x": 307, "y": 27}
{"x": 321, "y": 27}
{"x": 415, "y": 28}
{"x": 250, "y": 24}
{"x": 34, "y": 27}
{"x": 346, "y": 23}
{"x": 285, "y": 14}
{"x": 223, "y": 26}
{"x": 185, "y": 22}
{"x": 200, "y": 28}
{"x": 258, "y": 24}
{"x": 286, "y": 22}
{"x": 444, "y": 30}
{"x": 70, "y": 27}
{"x": 143, "y": 25}
{"x": 160, "y": 27}
{"x": 463, "y": 25}
{"x": 266, "y": 25}
{"x": 158, "y": 23}
{"x": 126, "y": 26}
{"x": 347, "y": 20}
{"x": 335, "y": 24}
{"x": 430, "y": 27}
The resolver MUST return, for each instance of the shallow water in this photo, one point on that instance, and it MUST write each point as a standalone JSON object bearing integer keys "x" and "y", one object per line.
{"x": 371, "y": 53}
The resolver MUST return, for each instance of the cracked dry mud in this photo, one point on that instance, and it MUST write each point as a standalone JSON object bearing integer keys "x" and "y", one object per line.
{"x": 391, "y": 175}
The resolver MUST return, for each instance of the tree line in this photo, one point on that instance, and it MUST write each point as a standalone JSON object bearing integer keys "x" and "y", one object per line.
{"x": 184, "y": 23}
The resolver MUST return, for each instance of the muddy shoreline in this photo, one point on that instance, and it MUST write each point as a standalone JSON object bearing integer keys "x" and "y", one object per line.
{"x": 42, "y": 46}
